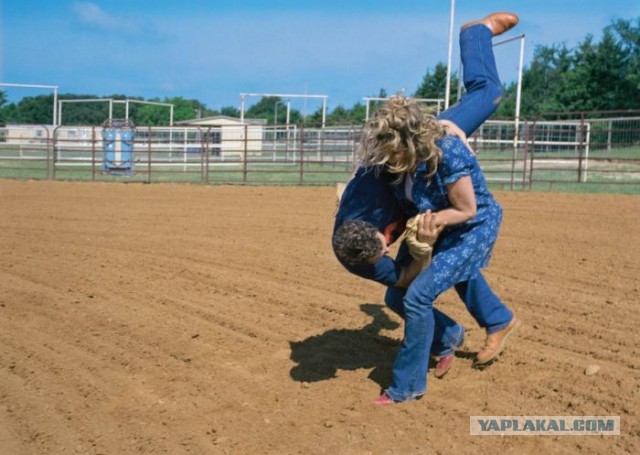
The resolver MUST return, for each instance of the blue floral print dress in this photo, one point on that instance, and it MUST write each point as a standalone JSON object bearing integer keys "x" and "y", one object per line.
{"x": 462, "y": 250}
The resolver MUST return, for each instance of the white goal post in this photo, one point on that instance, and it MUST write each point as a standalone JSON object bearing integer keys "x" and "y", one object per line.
{"x": 111, "y": 102}
{"x": 243, "y": 97}
{"x": 52, "y": 87}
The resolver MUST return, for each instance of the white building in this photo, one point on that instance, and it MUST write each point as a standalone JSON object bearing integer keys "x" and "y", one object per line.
{"x": 228, "y": 135}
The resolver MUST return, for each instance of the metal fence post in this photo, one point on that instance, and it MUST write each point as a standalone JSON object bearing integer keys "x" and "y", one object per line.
{"x": 149, "y": 154}
{"x": 49, "y": 145}
{"x": 55, "y": 155}
{"x": 205, "y": 150}
{"x": 302, "y": 153}
{"x": 532, "y": 154}
{"x": 246, "y": 147}
{"x": 93, "y": 153}
{"x": 354, "y": 148}
{"x": 525, "y": 150}
{"x": 513, "y": 156}
{"x": 580, "y": 147}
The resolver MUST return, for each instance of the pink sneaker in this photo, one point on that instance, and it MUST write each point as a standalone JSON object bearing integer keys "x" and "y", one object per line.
{"x": 443, "y": 365}
{"x": 384, "y": 400}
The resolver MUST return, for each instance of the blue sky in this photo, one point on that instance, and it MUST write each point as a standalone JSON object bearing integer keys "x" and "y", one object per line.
{"x": 213, "y": 50}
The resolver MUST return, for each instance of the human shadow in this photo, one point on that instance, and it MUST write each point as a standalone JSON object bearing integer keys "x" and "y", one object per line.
{"x": 319, "y": 357}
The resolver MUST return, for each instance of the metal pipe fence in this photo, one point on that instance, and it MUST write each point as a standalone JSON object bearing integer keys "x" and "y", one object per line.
{"x": 602, "y": 154}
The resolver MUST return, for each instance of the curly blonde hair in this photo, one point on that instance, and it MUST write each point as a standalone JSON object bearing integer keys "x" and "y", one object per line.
{"x": 401, "y": 135}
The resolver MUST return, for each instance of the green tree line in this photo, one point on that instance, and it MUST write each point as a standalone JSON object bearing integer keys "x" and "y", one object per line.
{"x": 593, "y": 76}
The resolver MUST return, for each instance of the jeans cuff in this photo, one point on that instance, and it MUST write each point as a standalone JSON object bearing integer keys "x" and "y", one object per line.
{"x": 409, "y": 397}
{"x": 498, "y": 327}
{"x": 445, "y": 352}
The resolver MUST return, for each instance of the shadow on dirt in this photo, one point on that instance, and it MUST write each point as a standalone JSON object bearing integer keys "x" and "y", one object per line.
{"x": 320, "y": 357}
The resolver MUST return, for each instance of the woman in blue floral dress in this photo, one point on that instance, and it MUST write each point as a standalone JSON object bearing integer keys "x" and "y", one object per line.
{"x": 438, "y": 172}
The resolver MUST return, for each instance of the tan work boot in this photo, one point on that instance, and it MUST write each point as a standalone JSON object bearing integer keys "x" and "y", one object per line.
{"x": 498, "y": 23}
{"x": 495, "y": 342}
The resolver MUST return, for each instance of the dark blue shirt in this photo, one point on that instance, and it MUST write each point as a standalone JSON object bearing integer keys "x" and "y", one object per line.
{"x": 369, "y": 197}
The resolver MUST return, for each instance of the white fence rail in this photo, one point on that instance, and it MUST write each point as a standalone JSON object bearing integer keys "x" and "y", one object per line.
{"x": 603, "y": 150}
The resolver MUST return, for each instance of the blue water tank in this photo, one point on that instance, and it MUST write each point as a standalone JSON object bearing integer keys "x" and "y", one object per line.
{"x": 118, "y": 140}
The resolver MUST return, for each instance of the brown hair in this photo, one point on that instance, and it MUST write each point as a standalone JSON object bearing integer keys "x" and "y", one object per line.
{"x": 356, "y": 241}
{"x": 401, "y": 134}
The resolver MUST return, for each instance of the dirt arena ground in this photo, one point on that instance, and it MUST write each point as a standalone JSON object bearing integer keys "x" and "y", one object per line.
{"x": 191, "y": 319}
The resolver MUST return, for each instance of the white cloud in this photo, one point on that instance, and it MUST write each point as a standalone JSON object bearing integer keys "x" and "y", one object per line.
{"x": 91, "y": 14}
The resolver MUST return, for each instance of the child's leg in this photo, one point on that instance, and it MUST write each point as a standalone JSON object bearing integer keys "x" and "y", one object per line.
{"x": 409, "y": 375}
{"x": 483, "y": 87}
{"x": 448, "y": 334}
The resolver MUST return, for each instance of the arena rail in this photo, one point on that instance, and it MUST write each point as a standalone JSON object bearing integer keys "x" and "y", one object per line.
{"x": 558, "y": 152}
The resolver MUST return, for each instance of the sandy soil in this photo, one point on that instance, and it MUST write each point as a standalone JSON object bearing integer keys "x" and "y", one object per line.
{"x": 191, "y": 319}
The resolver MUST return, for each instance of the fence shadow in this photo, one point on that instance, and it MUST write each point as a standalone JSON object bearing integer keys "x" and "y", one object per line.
{"x": 320, "y": 357}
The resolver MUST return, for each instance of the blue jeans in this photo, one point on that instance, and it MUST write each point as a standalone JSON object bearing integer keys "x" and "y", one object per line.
{"x": 427, "y": 329}
{"x": 448, "y": 334}
{"x": 484, "y": 93}
{"x": 481, "y": 81}
{"x": 485, "y": 307}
